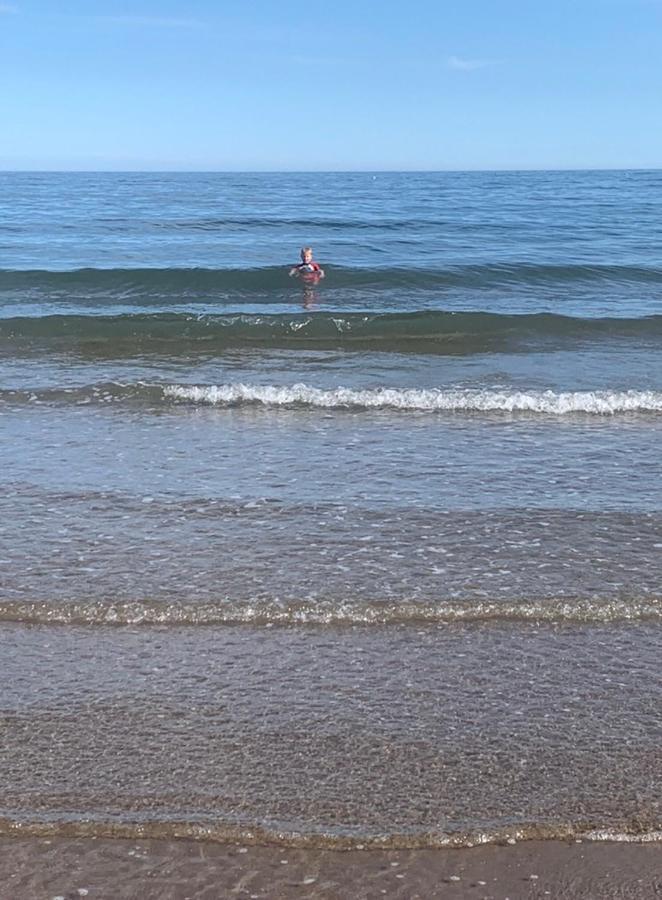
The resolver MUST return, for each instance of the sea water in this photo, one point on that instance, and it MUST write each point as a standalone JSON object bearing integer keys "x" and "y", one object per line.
{"x": 372, "y": 560}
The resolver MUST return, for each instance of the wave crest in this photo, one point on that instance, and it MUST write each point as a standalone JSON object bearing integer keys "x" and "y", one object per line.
{"x": 192, "y": 280}
{"x": 420, "y": 400}
{"x": 440, "y": 331}
{"x": 306, "y": 397}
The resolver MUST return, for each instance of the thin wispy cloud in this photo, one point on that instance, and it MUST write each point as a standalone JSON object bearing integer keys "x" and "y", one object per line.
{"x": 8, "y": 9}
{"x": 151, "y": 21}
{"x": 467, "y": 65}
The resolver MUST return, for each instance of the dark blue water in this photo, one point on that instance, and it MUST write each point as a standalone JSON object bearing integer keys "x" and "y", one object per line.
{"x": 457, "y": 429}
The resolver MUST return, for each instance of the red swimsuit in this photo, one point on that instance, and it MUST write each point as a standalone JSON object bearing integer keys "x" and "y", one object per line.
{"x": 305, "y": 271}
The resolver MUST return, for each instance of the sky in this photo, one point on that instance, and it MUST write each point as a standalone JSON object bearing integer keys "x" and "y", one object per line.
{"x": 253, "y": 85}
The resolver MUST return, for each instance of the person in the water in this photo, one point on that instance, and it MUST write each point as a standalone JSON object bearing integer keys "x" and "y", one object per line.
{"x": 307, "y": 270}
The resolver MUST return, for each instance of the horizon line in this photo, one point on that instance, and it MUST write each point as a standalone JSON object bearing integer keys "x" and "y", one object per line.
{"x": 166, "y": 171}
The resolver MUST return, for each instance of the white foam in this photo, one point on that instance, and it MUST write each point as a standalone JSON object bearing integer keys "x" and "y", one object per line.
{"x": 605, "y": 403}
{"x": 607, "y": 834}
{"x": 318, "y": 612}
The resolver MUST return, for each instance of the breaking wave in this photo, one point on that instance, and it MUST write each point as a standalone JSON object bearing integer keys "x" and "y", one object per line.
{"x": 417, "y": 400}
{"x": 306, "y": 397}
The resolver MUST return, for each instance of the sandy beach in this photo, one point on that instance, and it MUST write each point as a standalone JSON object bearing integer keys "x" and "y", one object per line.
{"x": 43, "y": 869}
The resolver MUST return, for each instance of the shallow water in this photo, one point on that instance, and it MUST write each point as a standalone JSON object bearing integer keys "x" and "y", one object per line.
{"x": 399, "y": 736}
{"x": 410, "y": 517}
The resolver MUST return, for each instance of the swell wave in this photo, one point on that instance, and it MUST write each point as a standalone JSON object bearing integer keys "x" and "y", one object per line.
{"x": 328, "y": 613}
{"x": 433, "y": 331}
{"x": 205, "y": 281}
{"x": 305, "y": 397}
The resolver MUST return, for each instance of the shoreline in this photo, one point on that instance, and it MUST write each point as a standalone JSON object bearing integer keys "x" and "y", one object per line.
{"x": 34, "y": 868}
{"x": 315, "y": 840}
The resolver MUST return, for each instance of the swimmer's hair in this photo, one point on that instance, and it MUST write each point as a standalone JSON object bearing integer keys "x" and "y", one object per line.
{"x": 306, "y": 249}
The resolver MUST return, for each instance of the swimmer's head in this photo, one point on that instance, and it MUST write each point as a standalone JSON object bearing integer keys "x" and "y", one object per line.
{"x": 306, "y": 254}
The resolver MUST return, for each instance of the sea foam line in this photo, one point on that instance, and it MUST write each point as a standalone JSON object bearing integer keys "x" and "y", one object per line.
{"x": 292, "y": 835}
{"x": 605, "y": 403}
{"x": 320, "y": 613}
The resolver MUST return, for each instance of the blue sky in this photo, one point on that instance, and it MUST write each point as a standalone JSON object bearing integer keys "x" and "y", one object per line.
{"x": 475, "y": 84}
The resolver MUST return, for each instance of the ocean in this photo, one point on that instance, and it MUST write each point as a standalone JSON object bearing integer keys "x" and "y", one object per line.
{"x": 371, "y": 562}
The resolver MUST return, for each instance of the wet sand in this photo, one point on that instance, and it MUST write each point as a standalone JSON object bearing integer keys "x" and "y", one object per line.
{"x": 71, "y": 868}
